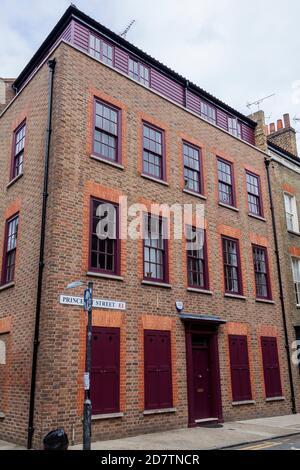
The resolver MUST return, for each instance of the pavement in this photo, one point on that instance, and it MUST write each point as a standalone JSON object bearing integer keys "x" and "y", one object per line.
{"x": 9, "y": 446}
{"x": 229, "y": 435}
{"x": 208, "y": 438}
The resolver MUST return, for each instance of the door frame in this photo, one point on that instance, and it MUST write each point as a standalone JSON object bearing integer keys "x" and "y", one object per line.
{"x": 212, "y": 333}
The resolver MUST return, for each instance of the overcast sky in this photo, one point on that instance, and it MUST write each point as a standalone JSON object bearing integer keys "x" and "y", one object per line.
{"x": 239, "y": 51}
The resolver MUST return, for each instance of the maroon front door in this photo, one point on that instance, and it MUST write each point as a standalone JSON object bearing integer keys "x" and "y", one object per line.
{"x": 201, "y": 378}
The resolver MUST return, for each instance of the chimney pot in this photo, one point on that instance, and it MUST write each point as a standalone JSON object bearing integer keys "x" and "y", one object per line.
{"x": 279, "y": 124}
{"x": 272, "y": 128}
{"x": 287, "y": 121}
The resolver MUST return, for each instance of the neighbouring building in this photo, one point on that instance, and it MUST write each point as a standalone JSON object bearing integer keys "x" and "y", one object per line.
{"x": 125, "y": 125}
{"x": 280, "y": 141}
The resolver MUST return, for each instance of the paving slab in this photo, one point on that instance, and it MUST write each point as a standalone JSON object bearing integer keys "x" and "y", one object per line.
{"x": 207, "y": 438}
{"x": 9, "y": 446}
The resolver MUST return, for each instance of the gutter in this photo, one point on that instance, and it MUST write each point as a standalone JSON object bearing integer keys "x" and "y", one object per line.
{"x": 36, "y": 342}
{"x": 283, "y": 309}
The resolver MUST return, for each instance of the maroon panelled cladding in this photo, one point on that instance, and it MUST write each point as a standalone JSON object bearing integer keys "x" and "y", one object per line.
{"x": 158, "y": 370}
{"x": 121, "y": 60}
{"x": 271, "y": 367}
{"x": 105, "y": 373}
{"x": 240, "y": 371}
{"x": 81, "y": 36}
{"x": 248, "y": 134}
{"x": 67, "y": 34}
{"x": 159, "y": 82}
{"x": 222, "y": 119}
{"x": 193, "y": 102}
{"x": 167, "y": 87}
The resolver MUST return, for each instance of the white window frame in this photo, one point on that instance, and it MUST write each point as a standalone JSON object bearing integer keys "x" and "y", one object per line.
{"x": 296, "y": 279}
{"x": 291, "y": 213}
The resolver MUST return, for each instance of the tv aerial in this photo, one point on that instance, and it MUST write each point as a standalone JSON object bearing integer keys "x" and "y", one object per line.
{"x": 258, "y": 102}
{"x": 124, "y": 33}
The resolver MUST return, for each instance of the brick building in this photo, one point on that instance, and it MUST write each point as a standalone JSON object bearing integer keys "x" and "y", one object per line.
{"x": 280, "y": 142}
{"x": 124, "y": 125}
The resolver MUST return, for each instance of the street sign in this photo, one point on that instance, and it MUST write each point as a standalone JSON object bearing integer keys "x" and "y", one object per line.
{"x": 97, "y": 303}
{"x": 87, "y": 300}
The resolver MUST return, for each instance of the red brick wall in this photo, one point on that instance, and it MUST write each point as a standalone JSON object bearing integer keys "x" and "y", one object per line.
{"x": 74, "y": 176}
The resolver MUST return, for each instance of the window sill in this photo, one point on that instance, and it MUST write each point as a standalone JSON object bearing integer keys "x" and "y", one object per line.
{"x": 14, "y": 180}
{"x": 159, "y": 412}
{"x": 242, "y": 403}
{"x": 105, "y": 276}
{"x": 235, "y": 296}
{"x": 107, "y": 416}
{"x": 157, "y": 284}
{"x": 104, "y": 160}
{"x": 2, "y": 415}
{"x": 199, "y": 291}
{"x": 275, "y": 399}
{"x": 297, "y": 234}
{"x": 235, "y": 209}
{"x": 156, "y": 180}
{"x": 7, "y": 286}
{"x": 265, "y": 301}
{"x": 258, "y": 217}
{"x": 199, "y": 196}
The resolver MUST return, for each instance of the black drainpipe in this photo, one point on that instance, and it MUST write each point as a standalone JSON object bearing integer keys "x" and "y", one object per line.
{"x": 286, "y": 336}
{"x": 51, "y": 65}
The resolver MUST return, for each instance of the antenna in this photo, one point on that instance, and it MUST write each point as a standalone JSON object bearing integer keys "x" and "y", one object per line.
{"x": 258, "y": 102}
{"x": 127, "y": 29}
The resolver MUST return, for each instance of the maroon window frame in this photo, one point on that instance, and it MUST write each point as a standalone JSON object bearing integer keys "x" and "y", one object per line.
{"x": 240, "y": 369}
{"x": 232, "y": 266}
{"x": 197, "y": 263}
{"x": 157, "y": 370}
{"x": 208, "y": 112}
{"x": 155, "y": 249}
{"x": 101, "y": 50}
{"x": 271, "y": 367}
{"x": 18, "y": 151}
{"x": 153, "y": 152}
{"x": 254, "y": 194}
{"x": 107, "y": 131}
{"x": 10, "y": 250}
{"x": 261, "y": 272}
{"x": 104, "y": 254}
{"x": 105, "y": 370}
{"x": 139, "y": 71}
{"x": 192, "y": 168}
{"x": 226, "y": 188}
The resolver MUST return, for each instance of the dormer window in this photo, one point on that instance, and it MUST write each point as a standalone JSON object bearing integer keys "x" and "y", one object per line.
{"x": 208, "y": 112}
{"x": 235, "y": 127}
{"x": 101, "y": 50}
{"x": 139, "y": 72}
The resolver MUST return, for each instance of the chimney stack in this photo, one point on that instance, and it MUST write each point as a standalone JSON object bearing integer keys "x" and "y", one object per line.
{"x": 284, "y": 135}
{"x": 6, "y": 92}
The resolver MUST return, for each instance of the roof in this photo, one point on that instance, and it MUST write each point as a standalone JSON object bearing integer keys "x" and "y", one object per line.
{"x": 283, "y": 153}
{"x": 74, "y": 13}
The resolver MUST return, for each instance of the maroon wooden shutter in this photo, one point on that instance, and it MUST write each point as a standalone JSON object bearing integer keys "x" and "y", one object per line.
{"x": 158, "y": 370}
{"x": 271, "y": 367}
{"x": 240, "y": 371}
{"x": 105, "y": 374}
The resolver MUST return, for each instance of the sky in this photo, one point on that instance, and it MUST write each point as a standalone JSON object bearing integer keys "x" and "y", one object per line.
{"x": 237, "y": 50}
